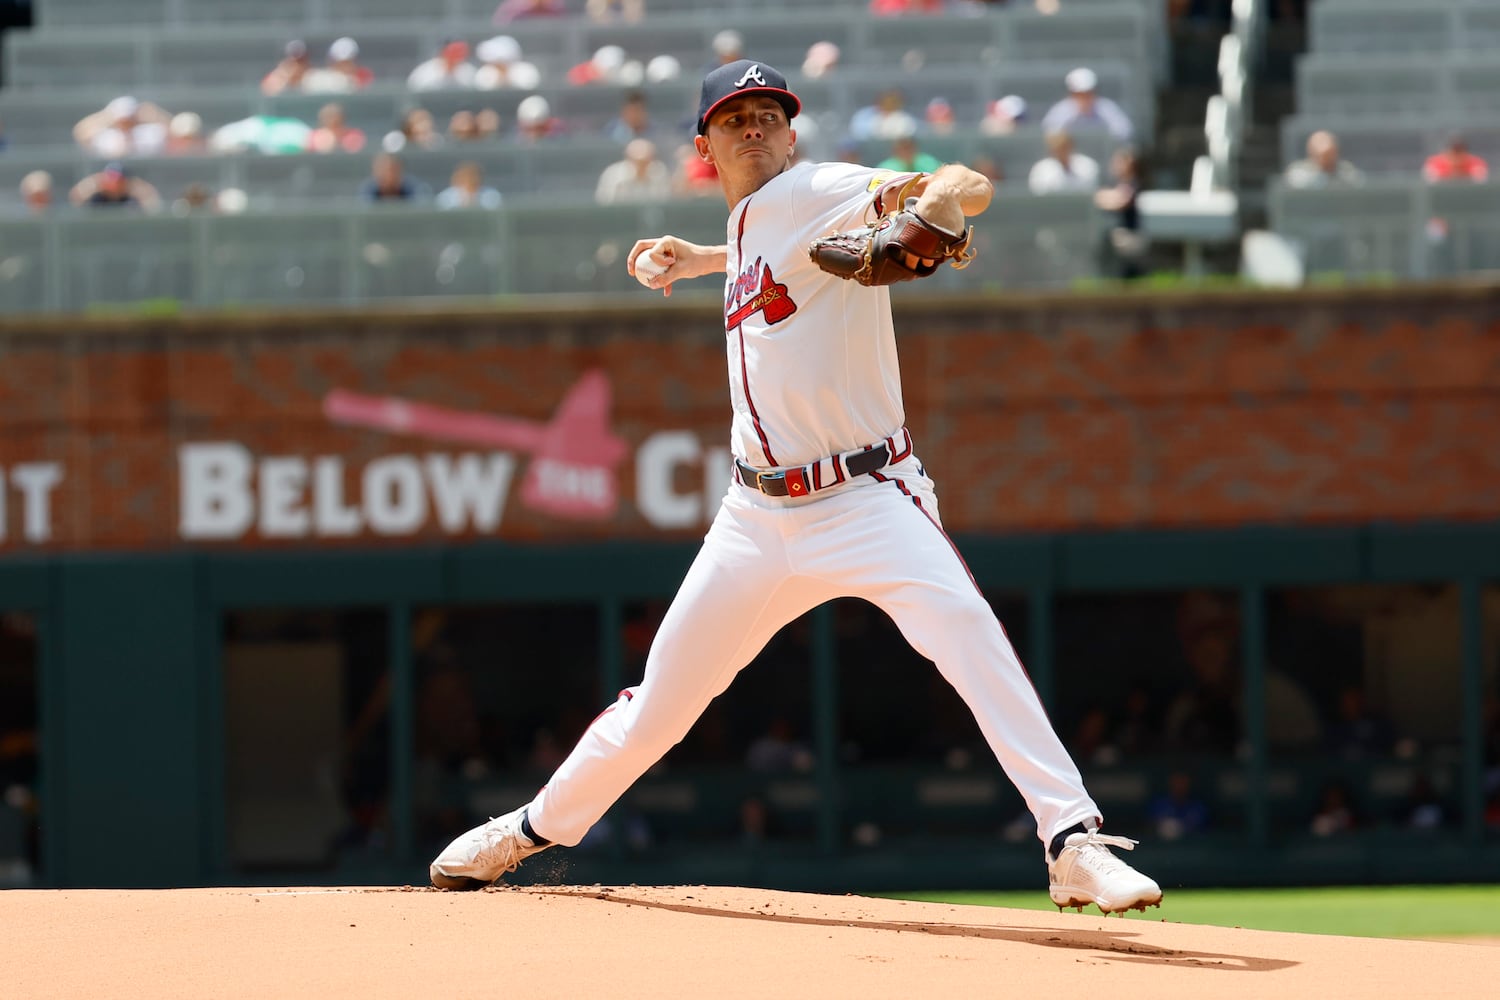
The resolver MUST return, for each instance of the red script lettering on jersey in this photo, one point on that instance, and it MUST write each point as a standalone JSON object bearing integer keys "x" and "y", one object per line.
{"x": 771, "y": 299}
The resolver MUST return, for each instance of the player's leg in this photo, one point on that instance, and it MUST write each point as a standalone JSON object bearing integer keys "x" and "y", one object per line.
{"x": 738, "y": 593}
{"x": 907, "y": 566}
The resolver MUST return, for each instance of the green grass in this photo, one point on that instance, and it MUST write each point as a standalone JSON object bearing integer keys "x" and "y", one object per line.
{"x": 1383, "y": 911}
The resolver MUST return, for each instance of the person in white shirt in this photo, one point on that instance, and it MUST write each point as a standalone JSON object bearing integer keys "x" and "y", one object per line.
{"x": 502, "y": 68}
{"x": 449, "y": 69}
{"x": 124, "y": 127}
{"x": 1063, "y": 168}
{"x": 466, "y": 189}
{"x": 828, "y": 500}
{"x": 1084, "y": 108}
{"x": 640, "y": 176}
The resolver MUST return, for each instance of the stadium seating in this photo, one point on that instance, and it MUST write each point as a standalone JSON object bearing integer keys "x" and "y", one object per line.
{"x": 1390, "y": 228}
{"x": 306, "y": 238}
{"x": 350, "y": 254}
{"x": 1396, "y": 26}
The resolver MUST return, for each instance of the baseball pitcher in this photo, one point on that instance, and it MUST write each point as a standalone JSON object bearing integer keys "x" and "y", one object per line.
{"x": 829, "y": 498}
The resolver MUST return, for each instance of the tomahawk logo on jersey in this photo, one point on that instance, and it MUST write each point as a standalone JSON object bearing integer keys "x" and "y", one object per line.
{"x": 768, "y": 297}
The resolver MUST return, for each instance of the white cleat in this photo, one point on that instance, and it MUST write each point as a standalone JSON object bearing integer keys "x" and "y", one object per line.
{"x": 1087, "y": 872}
{"x": 482, "y": 855}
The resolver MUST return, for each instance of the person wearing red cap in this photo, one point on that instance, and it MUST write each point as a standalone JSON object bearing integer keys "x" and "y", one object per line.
{"x": 828, "y": 500}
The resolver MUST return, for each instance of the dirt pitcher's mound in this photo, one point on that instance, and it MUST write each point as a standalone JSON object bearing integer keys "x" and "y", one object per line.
{"x": 683, "y": 941}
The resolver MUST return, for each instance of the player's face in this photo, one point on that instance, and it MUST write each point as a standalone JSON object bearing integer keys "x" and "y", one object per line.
{"x": 750, "y": 141}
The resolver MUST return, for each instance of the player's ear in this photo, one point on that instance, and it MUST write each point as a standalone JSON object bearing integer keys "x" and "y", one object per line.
{"x": 700, "y": 143}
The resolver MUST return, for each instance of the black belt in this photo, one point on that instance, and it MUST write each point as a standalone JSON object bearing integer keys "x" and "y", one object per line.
{"x": 800, "y": 482}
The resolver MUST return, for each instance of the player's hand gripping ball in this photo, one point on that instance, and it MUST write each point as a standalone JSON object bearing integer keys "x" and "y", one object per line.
{"x": 880, "y": 253}
{"x": 648, "y": 266}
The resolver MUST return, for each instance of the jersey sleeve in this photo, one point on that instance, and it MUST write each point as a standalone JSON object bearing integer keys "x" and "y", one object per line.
{"x": 834, "y": 197}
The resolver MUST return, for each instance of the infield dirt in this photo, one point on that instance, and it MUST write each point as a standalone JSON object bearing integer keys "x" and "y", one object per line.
{"x": 669, "y": 942}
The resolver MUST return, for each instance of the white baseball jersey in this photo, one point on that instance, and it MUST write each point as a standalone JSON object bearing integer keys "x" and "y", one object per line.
{"x": 812, "y": 357}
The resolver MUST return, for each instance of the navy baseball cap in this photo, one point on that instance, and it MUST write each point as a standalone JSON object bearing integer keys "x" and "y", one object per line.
{"x": 743, "y": 76}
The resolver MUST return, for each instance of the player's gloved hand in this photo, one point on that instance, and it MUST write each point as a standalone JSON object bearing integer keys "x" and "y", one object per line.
{"x": 898, "y": 246}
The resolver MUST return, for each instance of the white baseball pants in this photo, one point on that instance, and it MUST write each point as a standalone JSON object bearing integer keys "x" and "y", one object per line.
{"x": 765, "y": 562}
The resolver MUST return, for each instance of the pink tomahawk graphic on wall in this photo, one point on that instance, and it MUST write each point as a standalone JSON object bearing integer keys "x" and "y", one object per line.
{"x": 574, "y": 455}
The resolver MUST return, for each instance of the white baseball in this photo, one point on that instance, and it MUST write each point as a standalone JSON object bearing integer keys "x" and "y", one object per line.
{"x": 648, "y": 266}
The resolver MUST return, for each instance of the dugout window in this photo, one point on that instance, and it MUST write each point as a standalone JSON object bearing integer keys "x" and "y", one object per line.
{"x": 20, "y": 801}
{"x": 1363, "y": 710}
{"x": 307, "y": 738}
{"x": 1149, "y": 702}
{"x": 912, "y": 759}
{"x": 501, "y": 694}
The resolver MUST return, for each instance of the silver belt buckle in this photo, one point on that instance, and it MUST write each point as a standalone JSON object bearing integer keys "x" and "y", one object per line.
{"x": 768, "y": 477}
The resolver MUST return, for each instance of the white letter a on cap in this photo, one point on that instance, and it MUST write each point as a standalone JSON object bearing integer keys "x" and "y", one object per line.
{"x": 753, "y": 73}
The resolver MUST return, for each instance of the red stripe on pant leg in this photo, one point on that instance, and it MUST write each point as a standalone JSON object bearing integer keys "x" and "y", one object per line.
{"x": 927, "y": 514}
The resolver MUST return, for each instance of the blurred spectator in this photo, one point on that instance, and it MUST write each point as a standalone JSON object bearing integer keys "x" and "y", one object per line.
{"x": 663, "y": 68}
{"x": 990, "y": 167}
{"x": 449, "y": 69}
{"x": 466, "y": 189}
{"x": 520, "y": 10}
{"x": 124, "y": 127}
{"x": 501, "y": 66}
{"x": 726, "y": 46}
{"x": 633, "y": 121}
{"x": 4, "y": 142}
{"x": 1090, "y": 741}
{"x": 1063, "y": 169}
{"x": 778, "y": 750}
{"x": 343, "y": 74}
{"x": 1357, "y": 731}
{"x": 604, "y": 66}
{"x": 334, "y": 134}
{"x": 1178, "y": 812}
{"x": 1002, "y": 116}
{"x": 487, "y": 120}
{"x": 887, "y": 118}
{"x": 908, "y": 158}
{"x": 896, "y": 8}
{"x": 1137, "y": 729}
{"x": 1455, "y": 163}
{"x": 114, "y": 185}
{"x": 1126, "y": 245}
{"x": 695, "y": 177}
{"x": 464, "y": 127}
{"x": 608, "y": 10}
{"x": 185, "y": 134}
{"x": 1335, "y": 813}
{"x": 640, "y": 176}
{"x": 36, "y": 192}
{"x": 820, "y": 60}
{"x": 534, "y": 119}
{"x": 1205, "y": 716}
{"x": 848, "y": 151}
{"x": 194, "y": 198}
{"x": 417, "y": 130}
{"x": 1083, "y": 108}
{"x": 270, "y": 134}
{"x": 288, "y": 73}
{"x": 1322, "y": 167}
{"x": 1423, "y": 808}
{"x": 937, "y": 117}
{"x": 388, "y": 181}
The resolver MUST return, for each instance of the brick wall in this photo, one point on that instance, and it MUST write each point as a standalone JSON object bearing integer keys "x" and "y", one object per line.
{"x": 1032, "y": 414}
